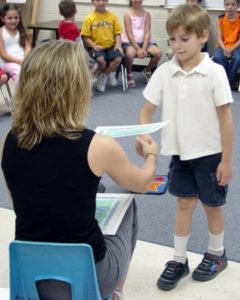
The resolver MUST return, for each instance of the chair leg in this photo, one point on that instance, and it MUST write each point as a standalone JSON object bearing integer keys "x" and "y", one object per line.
{"x": 7, "y": 96}
{"x": 124, "y": 78}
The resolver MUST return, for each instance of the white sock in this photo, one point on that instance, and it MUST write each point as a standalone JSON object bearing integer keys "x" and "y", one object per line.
{"x": 180, "y": 248}
{"x": 215, "y": 245}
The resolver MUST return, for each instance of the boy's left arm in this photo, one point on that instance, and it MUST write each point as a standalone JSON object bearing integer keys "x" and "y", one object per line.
{"x": 224, "y": 170}
{"x": 118, "y": 44}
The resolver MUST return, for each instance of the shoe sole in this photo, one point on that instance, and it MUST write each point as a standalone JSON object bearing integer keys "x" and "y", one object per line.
{"x": 203, "y": 278}
{"x": 168, "y": 287}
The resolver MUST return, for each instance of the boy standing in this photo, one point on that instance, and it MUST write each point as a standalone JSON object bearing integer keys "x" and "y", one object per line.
{"x": 101, "y": 34}
{"x": 199, "y": 138}
{"x": 227, "y": 51}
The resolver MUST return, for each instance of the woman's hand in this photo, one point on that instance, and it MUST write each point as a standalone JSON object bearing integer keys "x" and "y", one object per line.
{"x": 145, "y": 145}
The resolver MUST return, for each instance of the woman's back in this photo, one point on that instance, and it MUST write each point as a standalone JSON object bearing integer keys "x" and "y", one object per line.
{"x": 53, "y": 191}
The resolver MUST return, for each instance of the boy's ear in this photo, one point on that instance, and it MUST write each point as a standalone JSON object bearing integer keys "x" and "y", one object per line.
{"x": 205, "y": 36}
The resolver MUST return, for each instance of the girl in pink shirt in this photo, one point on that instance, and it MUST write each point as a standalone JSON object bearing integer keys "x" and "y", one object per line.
{"x": 137, "y": 40}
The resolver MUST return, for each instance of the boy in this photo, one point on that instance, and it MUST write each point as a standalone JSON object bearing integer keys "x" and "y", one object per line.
{"x": 227, "y": 51}
{"x": 199, "y": 138}
{"x": 68, "y": 29}
{"x": 101, "y": 34}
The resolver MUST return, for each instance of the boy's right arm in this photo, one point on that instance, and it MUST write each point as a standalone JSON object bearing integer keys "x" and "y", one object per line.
{"x": 86, "y": 35}
{"x": 89, "y": 43}
{"x": 145, "y": 116}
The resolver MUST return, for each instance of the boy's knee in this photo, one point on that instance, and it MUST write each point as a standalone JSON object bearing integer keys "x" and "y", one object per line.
{"x": 101, "y": 62}
{"x": 117, "y": 60}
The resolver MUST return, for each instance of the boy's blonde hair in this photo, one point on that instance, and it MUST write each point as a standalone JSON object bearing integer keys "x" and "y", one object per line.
{"x": 193, "y": 19}
{"x": 53, "y": 93}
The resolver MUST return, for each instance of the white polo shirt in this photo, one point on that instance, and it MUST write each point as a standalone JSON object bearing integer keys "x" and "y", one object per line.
{"x": 189, "y": 101}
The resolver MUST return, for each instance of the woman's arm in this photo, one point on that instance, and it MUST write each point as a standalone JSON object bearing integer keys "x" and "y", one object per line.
{"x": 105, "y": 155}
{"x": 5, "y": 55}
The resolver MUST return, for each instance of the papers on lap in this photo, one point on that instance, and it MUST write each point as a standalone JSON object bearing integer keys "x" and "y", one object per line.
{"x": 130, "y": 130}
{"x": 110, "y": 210}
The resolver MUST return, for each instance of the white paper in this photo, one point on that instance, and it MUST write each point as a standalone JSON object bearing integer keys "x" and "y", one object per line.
{"x": 110, "y": 210}
{"x": 130, "y": 130}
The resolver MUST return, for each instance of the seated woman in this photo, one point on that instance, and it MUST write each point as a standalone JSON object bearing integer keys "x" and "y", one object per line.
{"x": 52, "y": 163}
{"x": 137, "y": 40}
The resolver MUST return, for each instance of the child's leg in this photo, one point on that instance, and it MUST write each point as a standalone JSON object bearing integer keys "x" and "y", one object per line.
{"x": 13, "y": 70}
{"x": 234, "y": 65}
{"x": 102, "y": 64}
{"x": 113, "y": 64}
{"x": 213, "y": 197}
{"x": 130, "y": 54}
{"x": 156, "y": 54}
{"x": 184, "y": 212}
{"x": 220, "y": 59}
{"x": 181, "y": 184}
{"x": 215, "y": 217}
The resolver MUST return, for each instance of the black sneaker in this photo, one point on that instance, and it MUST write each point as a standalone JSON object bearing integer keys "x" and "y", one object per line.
{"x": 173, "y": 272}
{"x": 210, "y": 267}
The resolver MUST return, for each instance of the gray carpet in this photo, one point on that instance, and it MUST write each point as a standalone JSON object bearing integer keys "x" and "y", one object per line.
{"x": 157, "y": 213}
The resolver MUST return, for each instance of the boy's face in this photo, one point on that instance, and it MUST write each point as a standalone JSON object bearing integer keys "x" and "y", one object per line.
{"x": 187, "y": 46}
{"x": 231, "y": 7}
{"x": 100, "y": 5}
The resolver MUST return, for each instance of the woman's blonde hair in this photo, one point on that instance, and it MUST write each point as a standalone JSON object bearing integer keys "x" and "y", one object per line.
{"x": 192, "y": 18}
{"x": 53, "y": 93}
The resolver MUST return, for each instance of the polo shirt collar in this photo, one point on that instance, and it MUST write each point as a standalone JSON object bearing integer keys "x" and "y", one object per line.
{"x": 202, "y": 68}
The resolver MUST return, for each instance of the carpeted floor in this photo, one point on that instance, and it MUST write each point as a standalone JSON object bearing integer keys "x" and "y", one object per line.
{"x": 157, "y": 213}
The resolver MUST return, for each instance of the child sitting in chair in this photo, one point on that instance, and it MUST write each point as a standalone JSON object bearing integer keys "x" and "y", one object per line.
{"x": 137, "y": 40}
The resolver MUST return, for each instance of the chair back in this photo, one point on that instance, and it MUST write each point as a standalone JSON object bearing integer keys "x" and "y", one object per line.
{"x": 44, "y": 271}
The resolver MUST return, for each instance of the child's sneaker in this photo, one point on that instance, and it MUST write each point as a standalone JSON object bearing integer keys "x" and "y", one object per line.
{"x": 112, "y": 79}
{"x": 210, "y": 267}
{"x": 173, "y": 272}
{"x": 101, "y": 82}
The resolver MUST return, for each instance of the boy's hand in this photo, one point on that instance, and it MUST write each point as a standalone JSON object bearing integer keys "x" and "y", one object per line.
{"x": 227, "y": 52}
{"x": 97, "y": 48}
{"x": 118, "y": 48}
{"x": 224, "y": 173}
{"x": 145, "y": 137}
{"x": 146, "y": 146}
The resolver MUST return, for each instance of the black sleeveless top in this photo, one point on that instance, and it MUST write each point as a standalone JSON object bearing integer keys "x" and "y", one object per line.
{"x": 54, "y": 191}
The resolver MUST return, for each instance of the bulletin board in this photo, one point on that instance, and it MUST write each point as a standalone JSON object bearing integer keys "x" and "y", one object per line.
{"x": 125, "y": 2}
{"x": 211, "y": 4}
